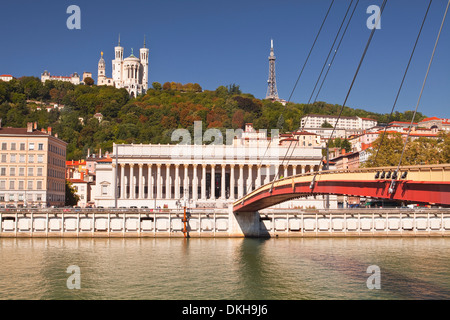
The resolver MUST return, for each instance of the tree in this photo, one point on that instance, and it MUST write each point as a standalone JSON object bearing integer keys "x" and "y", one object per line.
{"x": 167, "y": 86}
{"x": 71, "y": 197}
{"x": 89, "y": 81}
{"x": 157, "y": 86}
{"x": 326, "y": 124}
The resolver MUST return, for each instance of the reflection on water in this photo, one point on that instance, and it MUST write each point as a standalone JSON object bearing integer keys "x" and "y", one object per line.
{"x": 293, "y": 269}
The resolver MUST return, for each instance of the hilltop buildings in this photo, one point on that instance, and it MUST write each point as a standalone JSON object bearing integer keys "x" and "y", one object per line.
{"x": 130, "y": 73}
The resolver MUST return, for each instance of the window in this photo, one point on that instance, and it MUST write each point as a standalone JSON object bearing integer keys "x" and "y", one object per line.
{"x": 13, "y": 146}
{"x": 12, "y": 184}
{"x": 31, "y": 158}
{"x": 3, "y": 171}
{"x": 21, "y": 185}
{"x": 3, "y": 145}
{"x": 20, "y": 197}
{"x": 22, "y": 158}
{"x": 39, "y": 185}
{"x": 12, "y": 157}
{"x": 2, "y": 197}
{"x": 11, "y": 197}
{"x": 31, "y": 171}
{"x": 39, "y": 171}
{"x": 12, "y": 171}
{"x": 104, "y": 189}
{"x": 41, "y": 146}
{"x": 40, "y": 158}
{"x": 22, "y": 146}
{"x": 2, "y": 184}
{"x": 38, "y": 197}
{"x": 31, "y": 146}
{"x": 21, "y": 171}
{"x": 3, "y": 157}
{"x": 30, "y": 185}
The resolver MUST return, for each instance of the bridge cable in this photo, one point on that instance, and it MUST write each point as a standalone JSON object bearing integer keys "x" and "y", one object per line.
{"x": 336, "y": 51}
{"x": 312, "y": 93}
{"x": 401, "y": 85}
{"x": 353, "y": 81}
{"x": 392, "y": 186}
{"x": 298, "y": 79}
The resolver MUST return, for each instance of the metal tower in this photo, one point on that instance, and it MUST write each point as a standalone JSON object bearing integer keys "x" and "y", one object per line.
{"x": 272, "y": 92}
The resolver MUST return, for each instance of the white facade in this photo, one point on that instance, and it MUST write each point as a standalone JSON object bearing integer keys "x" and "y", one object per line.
{"x": 6, "y": 77}
{"x": 130, "y": 73}
{"x": 74, "y": 78}
{"x": 210, "y": 176}
{"x": 348, "y": 123}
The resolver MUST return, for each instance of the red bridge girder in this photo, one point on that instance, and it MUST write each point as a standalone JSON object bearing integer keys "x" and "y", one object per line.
{"x": 436, "y": 193}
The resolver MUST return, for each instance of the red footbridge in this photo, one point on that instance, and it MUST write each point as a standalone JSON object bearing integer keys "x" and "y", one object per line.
{"x": 428, "y": 184}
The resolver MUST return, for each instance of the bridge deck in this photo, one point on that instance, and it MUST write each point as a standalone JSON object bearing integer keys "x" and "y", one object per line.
{"x": 421, "y": 184}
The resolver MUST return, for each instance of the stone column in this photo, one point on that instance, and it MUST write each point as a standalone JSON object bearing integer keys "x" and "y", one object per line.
{"x": 213, "y": 182}
{"x": 267, "y": 180}
{"x": 311, "y": 168}
{"x": 168, "y": 186}
{"x": 158, "y": 182}
{"x": 241, "y": 181}
{"x": 177, "y": 181}
{"x": 140, "y": 182}
{"x": 122, "y": 181}
{"x": 250, "y": 180}
{"x": 258, "y": 176}
{"x": 232, "y": 181}
{"x": 294, "y": 170}
{"x": 149, "y": 181}
{"x": 203, "y": 193}
{"x": 195, "y": 183}
{"x": 132, "y": 190}
{"x": 222, "y": 183}
{"x": 186, "y": 182}
{"x": 285, "y": 171}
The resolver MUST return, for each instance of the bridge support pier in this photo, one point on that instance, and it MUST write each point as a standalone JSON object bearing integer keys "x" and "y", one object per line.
{"x": 245, "y": 224}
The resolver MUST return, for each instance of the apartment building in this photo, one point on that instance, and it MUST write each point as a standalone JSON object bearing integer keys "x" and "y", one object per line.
{"x": 32, "y": 167}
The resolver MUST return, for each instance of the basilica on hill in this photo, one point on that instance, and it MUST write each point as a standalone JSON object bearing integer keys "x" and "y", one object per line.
{"x": 130, "y": 73}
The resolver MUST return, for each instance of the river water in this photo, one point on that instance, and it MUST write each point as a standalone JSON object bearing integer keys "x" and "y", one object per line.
{"x": 234, "y": 269}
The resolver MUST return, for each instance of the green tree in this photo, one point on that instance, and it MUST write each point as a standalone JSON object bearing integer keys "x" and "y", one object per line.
{"x": 89, "y": 81}
{"x": 326, "y": 124}
{"x": 71, "y": 197}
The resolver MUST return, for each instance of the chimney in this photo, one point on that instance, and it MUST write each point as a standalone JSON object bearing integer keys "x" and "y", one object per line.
{"x": 56, "y": 135}
{"x": 89, "y": 152}
{"x": 100, "y": 153}
{"x": 49, "y": 130}
{"x": 0, "y": 123}
{"x": 29, "y": 126}
{"x": 35, "y": 125}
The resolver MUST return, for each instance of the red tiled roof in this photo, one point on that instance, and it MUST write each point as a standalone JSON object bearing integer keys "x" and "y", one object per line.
{"x": 429, "y": 119}
{"x": 21, "y": 131}
{"x": 6, "y": 75}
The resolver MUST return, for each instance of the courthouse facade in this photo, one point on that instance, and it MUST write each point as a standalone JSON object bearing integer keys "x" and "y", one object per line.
{"x": 212, "y": 176}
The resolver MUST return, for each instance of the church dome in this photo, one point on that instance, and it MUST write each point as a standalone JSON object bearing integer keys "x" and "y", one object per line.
{"x": 131, "y": 57}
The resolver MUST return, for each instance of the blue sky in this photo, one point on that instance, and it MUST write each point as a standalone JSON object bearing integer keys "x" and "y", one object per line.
{"x": 217, "y": 43}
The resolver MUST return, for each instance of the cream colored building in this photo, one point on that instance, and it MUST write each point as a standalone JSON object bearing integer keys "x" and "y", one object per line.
{"x": 32, "y": 167}
{"x": 73, "y": 78}
{"x": 209, "y": 176}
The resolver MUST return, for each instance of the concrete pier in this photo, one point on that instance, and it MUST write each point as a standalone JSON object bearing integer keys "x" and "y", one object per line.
{"x": 224, "y": 223}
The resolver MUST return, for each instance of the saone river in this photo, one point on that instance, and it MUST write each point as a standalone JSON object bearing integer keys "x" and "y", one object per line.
{"x": 260, "y": 269}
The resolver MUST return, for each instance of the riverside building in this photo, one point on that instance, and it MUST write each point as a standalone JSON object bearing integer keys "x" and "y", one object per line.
{"x": 32, "y": 167}
{"x": 200, "y": 175}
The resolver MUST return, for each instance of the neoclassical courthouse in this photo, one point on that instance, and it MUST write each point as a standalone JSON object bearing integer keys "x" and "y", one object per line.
{"x": 201, "y": 175}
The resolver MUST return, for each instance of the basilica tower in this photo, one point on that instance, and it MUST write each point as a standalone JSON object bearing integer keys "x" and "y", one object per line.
{"x": 144, "y": 66}
{"x": 117, "y": 64}
{"x": 101, "y": 70}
